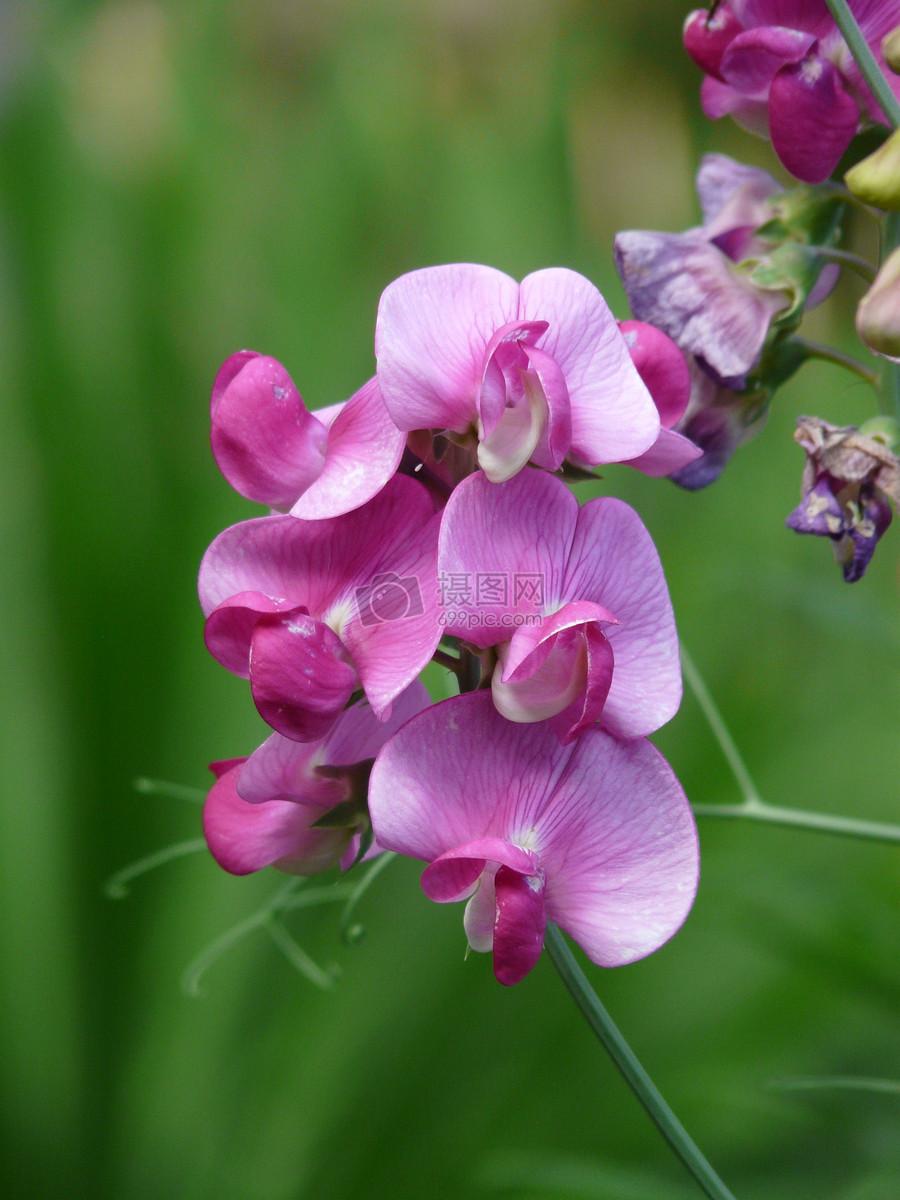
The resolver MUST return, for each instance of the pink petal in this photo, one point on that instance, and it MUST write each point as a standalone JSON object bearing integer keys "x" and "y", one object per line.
{"x": 733, "y": 194}
{"x": 811, "y": 118}
{"x": 300, "y": 675}
{"x": 284, "y": 769}
{"x": 720, "y": 100}
{"x": 246, "y": 837}
{"x": 268, "y": 447}
{"x": 504, "y": 357}
{"x": 432, "y": 329}
{"x": 613, "y": 417}
{"x": 229, "y": 628}
{"x": 358, "y": 734}
{"x": 619, "y": 849}
{"x": 613, "y": 562}
{"x": 507, "y": 448}
{"x": 515, "y": 535}
{"x": 363, "y": 451}
{"x": 671, "y": 452}
{"x": 556, "y": 435}
{"x": 754, "y": 56}
{"x": 519, "y": 925}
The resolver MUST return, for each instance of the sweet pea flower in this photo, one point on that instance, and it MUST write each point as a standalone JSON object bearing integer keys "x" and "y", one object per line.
{"x": 573, "y": 601}
{"x": 524, "y": 372}
{"x": 596, "y": 836}
{"x": 849, "y": 478}
{"x": 272, "y": 450}
{"x": 299, "y": 806}
{"x": 311, "y": 611}
{"x": 665, "y": 372}
{"x": 691, "y": 286}
{"x": 781, "y": 69}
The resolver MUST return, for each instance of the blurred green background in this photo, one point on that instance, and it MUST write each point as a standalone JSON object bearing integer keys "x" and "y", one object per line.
{"x": 180, "y": 180}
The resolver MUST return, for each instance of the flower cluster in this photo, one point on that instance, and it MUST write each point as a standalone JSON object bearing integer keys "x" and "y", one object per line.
{"x": 429, "y": 508}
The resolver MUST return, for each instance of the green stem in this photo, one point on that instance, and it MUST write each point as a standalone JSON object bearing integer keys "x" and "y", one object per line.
{"x": 635, "y": 1076}
{"x": 847, "y": 361}
{"x": 848, "y": 259}
{"x": 753, "y": 807}
{"x": 116, "y": 887}
{"x": 865, "y": 60}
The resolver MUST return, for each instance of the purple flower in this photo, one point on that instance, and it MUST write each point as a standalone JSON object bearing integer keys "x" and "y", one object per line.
{"x": 270, "y": 449}
{"x": 311, "y": 611}
{"x": 528, "y": 372}
{"x": 268, "y": 809}
{"x": 573, "y": 600}
{"x": 782, "y": 69}
{"x": 690, "y": 285}
{"x": 596, "y": 836}
{"x": 849, "y": 479}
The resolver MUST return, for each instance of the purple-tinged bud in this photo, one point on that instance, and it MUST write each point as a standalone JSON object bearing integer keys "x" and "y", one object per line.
{"x": 849, "y": 479}
{"x": 878, "y": 314}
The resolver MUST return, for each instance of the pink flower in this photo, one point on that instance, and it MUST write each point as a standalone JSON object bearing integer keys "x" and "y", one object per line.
{"x": 573, "y": 599}
{"x": 263, "y": 810}
{"x": 311, "y": 611}
{"x": 596, "y": 836}
{"x": 782, "y": 69}
{"x": 528, "y": 372}
{"x": 316, "y": 465}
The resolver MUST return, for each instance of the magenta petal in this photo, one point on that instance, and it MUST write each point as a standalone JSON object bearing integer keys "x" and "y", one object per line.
{"x": 613, "y": 417}
{"x": 358, "y": 734}
{"x": 587, "y": 709}
{"x": 811, "y": 118}
{"x": 300, "y": 675}
{"x": 246, "y": 837}
{"x": 363, "y": 451}
{"x": 706, "y": 38}
{"x": 754, "y": 56}
{"x": 229, "y": 368}
{"x": 503, "y": 357}
{"x": 661, "y": 366}
{"x": 229, "y": 629}
{"x": 431, "y": 332}
{"x": 284, "y": 769}
{"x": 268, "y": 447}
{"x": 452, "y": 875}
{"x": 556, "y": 438}
{"x": 519, "y": 924}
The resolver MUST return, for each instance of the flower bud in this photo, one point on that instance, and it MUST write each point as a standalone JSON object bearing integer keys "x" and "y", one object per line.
{"x": 878, "y": 314}
{"x": 890, "y": 48}
{"x": 876, "y": 180}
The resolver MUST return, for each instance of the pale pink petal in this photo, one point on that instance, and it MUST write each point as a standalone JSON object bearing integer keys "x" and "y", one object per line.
{"x": 266, "y": 444}
{"x": 301, "y": 676}
{"x": 246, "y": 837}
{"x": 515, "y": 535}
{"x": 284, "y": 769}
{"x": 732, "y": 194}
{"x": 358, "y": 734}
{"x": 619, "y": 849}
{"x": 519, "y": 924}
{"x": 613, "y": 417}
{"x": 812, "y": 119}
{"x": 555, "y": 439}
{"x": 363, "y": 451}
{"x": 719, "y": 100}
{"x": 431, "y": 332}
{"x": 613, "y": 561}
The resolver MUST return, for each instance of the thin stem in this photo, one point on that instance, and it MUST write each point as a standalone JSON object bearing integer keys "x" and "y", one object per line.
{"x": 635, "y": 1076}
{"x": 865, "y": 60}
{"x": 354, "y": 933}
{"x": 116, "y": 887}
{"x": 798, "y": 818}
{"x": 842, "y": 1082}
{"x": 720, "y": 729}
{"x": 753, "y": 807}
{"x": 848, "y": 259}
{"x": 847, "y": 361}
{"x": 162, "y": 787}
{"x": 298, "y": 957}
{"x": 450, "y": 661}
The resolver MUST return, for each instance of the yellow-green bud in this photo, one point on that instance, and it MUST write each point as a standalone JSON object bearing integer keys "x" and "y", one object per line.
{"x": 890, "y": 48}
{"x": 876, "y": 180}
{"x": 878, "y": 314}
